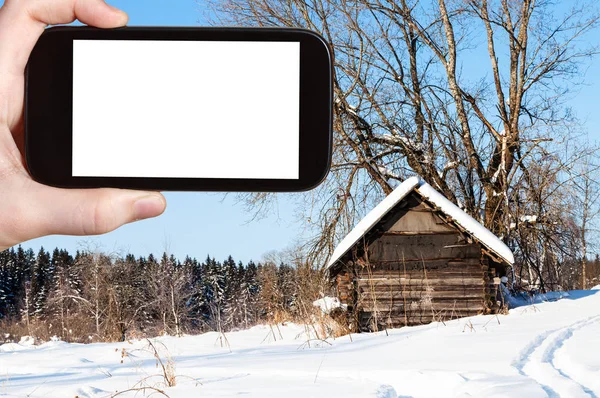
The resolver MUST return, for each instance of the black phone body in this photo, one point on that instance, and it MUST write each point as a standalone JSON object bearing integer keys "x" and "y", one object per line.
{"x": 179, "y": 109}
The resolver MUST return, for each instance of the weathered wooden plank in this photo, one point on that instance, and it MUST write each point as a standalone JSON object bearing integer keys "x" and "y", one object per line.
{"x": 396, "y": 325}
{"x": 398, "y": 318}
{"x": 416, "y": 263}
{"x": 366, "y": 319}
{"x": 415, "y": 302}
{"x": 398, "y": 247}
{"x": 421, "y": 289}
{"x": 436, "y": 280}
{"x": 441, "y": 302}
{"x": 454, "y": 313}
{"x": 427, "y": 312}
{"x": 421, "y": 276}
{"x": 440, "y": 299}
{"x": 456, "y": 295}
{"x": 433, "y": 282}
{"x": 420, "y": 267}
{"x": 403, "y": 284}
{"x": 400, "y": 322}
{"x": 460, "y": 311}
{"x": 384, "y": 308}
{"x": 432, "y": 265}
{"x": 445, "y": 265}
{"x": 419, "y": 264}
{"x": 435, "y": 297}
{"x": 418, "y": 260}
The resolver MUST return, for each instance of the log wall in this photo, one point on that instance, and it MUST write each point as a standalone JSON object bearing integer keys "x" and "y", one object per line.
{"x": 385, "y": 295}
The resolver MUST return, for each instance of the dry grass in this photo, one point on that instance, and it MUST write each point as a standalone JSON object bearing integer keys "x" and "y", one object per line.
{"x": 166, "y": 366}
{"x": 167, "y": 375}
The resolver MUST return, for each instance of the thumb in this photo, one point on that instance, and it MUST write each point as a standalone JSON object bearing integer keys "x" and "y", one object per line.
{"x": 85, "y": 211}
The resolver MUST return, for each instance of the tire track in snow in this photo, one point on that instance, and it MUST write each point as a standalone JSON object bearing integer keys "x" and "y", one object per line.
{"x": 536, "y": 361}
{"x": 570, "y": 367}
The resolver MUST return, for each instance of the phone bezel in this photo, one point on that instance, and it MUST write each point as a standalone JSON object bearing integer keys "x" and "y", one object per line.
{"x": 49, "y": 101}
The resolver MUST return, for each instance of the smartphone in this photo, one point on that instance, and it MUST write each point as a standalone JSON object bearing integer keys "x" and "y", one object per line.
{"x": 179, "y": 109}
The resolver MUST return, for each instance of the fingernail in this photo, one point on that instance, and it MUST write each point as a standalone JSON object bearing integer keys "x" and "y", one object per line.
{"x": 148, "y": 206}
{"x": 124, "y": 17}
{"x": 123, "y": 14}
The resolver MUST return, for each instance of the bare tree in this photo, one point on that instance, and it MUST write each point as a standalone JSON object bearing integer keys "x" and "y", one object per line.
{"x": 168, "y": 283}
{"x": 585, "y": 186}
{"x": 96, "y": 268}
{"x": 408, "y": 99}
{"x": 129, "y": 300}
{"x": 178, "y": 280}
{"x": 66, "y": 292}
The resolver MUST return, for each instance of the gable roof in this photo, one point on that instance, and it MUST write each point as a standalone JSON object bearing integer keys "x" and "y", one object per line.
{"x": 462, "y": 219}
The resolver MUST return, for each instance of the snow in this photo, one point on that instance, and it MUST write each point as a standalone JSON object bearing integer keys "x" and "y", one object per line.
{"x": 525, "y": 299}
{"x": 467, "y": 222}
{"x": 597, "y": 287}
{"x": 547, "y": 349}
{"x": 398, "y": 139}
{"x": 495, "y": 177}
{"x": 27, "y": 341}
{"x": 529, "y": 219}
{"x": 328, "y": 304}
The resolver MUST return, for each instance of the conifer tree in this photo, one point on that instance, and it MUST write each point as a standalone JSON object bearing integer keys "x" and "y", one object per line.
{"x": 6, "y": 283}
{"x": 198, "y": 303}
{"x": 215, "y": 289}
{"x": 65, "y": 290}
{"x": 231, "y": 308}
{"x": 250, "y": 292}
{"x": 41, "y": 279}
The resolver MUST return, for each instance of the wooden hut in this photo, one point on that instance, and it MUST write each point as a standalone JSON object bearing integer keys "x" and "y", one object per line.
{"x": 418, "y": 258}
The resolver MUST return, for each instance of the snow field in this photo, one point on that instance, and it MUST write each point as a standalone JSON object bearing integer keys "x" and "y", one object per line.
{"x": 549, "y": 349}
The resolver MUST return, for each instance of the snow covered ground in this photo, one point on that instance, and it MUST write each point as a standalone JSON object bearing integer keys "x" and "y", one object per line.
{"x": 548, "y": 349}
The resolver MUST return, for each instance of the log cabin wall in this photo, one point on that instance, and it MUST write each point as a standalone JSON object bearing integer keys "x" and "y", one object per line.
{"x": 415, "y": 268}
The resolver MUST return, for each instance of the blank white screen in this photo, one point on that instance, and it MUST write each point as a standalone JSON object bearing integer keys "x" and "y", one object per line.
{"x": 186, "y": 109}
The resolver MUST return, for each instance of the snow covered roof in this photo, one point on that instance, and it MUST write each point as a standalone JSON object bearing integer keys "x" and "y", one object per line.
{"x": 468, "y": 223}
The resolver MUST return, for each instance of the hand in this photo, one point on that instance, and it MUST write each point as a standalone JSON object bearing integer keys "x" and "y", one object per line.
{"x": 27, "y": 209}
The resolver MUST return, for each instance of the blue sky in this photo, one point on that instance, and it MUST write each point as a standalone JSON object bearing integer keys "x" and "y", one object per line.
{"x": 202, "y": 223}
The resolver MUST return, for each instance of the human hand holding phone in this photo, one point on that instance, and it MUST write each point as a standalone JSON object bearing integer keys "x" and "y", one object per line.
{"x": 28, "y": 209}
